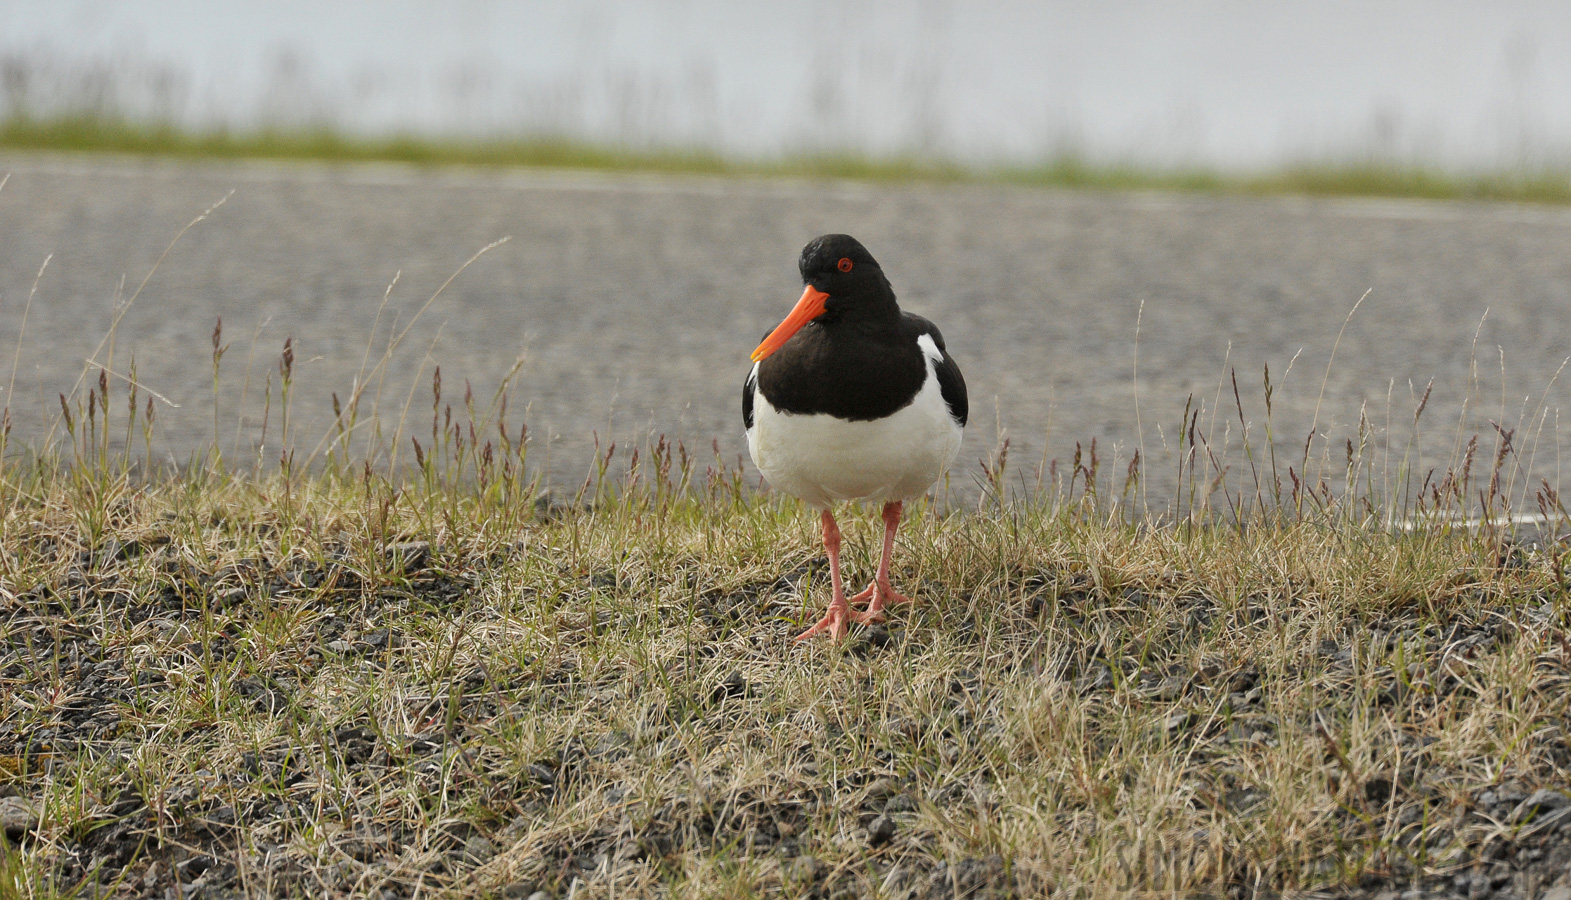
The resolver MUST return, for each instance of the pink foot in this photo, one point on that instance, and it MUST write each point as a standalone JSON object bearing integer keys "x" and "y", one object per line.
{"x": 882, "y": 597}
{"x": 836, "y": 621}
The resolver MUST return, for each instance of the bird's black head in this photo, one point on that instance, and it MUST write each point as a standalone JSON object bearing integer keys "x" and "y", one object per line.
{"x": 841, "y": 267}
{"x": 843, "y": 285}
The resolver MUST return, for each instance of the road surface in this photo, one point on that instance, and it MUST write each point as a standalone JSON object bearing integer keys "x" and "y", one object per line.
{"x": 632, "y": 302}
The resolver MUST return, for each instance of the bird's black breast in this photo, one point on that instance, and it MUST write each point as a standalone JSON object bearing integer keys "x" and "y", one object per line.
{"x": 855, "y": 372}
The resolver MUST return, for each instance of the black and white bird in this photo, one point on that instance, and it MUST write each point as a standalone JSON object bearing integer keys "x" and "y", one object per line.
{"x": 850, "y": 398}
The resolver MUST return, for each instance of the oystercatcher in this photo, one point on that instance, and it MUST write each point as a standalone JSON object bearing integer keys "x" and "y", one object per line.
{"x": 850, "y": 398}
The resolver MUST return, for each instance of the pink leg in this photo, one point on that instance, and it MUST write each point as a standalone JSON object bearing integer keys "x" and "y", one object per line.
{"x": 836, "y": 620}
{"x": 879, "y": 592}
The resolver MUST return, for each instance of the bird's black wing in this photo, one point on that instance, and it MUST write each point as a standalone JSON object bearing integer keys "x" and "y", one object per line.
{"x": 953, "y": 387}
{"x": 748, "y": 386}
{"x": 951, "y": 384}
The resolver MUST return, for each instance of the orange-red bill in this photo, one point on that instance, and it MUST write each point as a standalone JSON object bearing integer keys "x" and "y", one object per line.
{"x": 810, "y": 307}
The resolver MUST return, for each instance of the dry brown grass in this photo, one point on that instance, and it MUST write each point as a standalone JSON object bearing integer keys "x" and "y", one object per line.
{"x": 315, "y": 684}
{"x": 344, "y": 672}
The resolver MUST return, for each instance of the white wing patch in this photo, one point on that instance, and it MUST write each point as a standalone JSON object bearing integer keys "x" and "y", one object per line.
{"x": 930, "y": 348}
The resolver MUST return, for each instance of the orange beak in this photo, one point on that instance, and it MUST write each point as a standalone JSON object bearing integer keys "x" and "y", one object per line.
{"x": 810, "y": 307}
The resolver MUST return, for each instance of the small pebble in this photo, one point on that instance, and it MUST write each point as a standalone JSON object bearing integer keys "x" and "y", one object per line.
{"x": 18, "y": 816}
{"x": 900, "y": 803}
{"x": 479, "y": 849}
{"x": 1542, "y": 802}
{"x": 880, "y": 831}
{"x": 412, "y": 555}
{"x": 734, "y": 685}
{"x": 1168, "y": 689}
{"x": 381, "y": 639}
{"x": 805, "y": 868}
{"x": 879, "y": 791}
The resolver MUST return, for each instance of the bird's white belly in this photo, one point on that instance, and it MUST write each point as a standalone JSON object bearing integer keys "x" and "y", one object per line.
{"x": 822, "y": 459}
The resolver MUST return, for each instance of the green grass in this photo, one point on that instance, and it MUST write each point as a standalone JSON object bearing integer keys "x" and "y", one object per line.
{"x": 93, "y": 134}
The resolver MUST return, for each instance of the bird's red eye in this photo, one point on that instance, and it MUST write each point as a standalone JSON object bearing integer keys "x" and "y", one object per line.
{"x": 844, "y": 264}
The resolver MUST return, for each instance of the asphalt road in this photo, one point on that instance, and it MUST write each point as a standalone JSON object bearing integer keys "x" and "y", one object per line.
{"x": 633, "y": 302}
